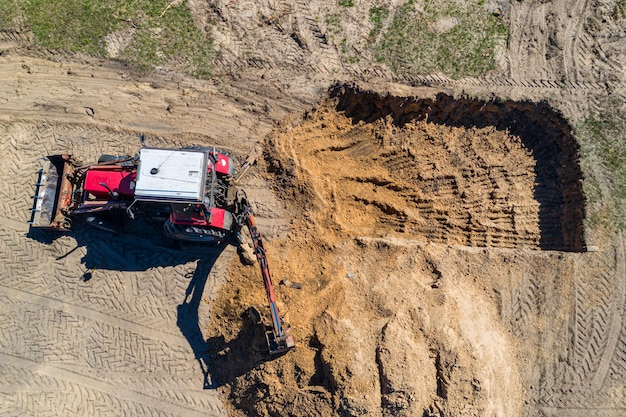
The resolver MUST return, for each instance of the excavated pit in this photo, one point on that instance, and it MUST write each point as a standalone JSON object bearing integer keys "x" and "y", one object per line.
{"x": 444, "y": 169}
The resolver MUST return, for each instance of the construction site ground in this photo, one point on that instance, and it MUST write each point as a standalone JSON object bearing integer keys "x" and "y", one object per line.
{"x": 426, "y": 236}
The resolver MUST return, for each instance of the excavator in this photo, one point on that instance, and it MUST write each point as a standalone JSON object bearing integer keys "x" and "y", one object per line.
{"x": 193, "y": 192}
{"x": 279, "y": 338}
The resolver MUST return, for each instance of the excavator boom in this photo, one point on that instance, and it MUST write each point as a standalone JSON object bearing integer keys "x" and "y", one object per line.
{"x": 279, "y": 339}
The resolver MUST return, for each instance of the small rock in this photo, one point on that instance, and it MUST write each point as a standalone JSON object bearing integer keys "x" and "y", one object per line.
{"x": 288, "y": 283}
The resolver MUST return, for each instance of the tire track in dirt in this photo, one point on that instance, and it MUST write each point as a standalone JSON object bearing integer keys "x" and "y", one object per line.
{"x": 96, "y": 326}
{"x": 91, "y": 302}
{"x": 85, "y": 339}
{"x": 594, "y": 26}
{"x": 520, "y": 44}
{"x": 39, "y": 274}
{"x": 15, "y": 35}
{"x": 324, "y": 57}
{"x": 526, "y": 303}
{"x": 277, "y": 32}
{"x": 14, "y": 38}
{"x": 82, "y": 393}
{"x": 576, "y": 47}
{"x": 585, "y": 337}
{"x": 36, "y": 90}
{"x": 564, "y": 41}
{"x": 564, "y": 366}
{"x": 581, "y": 379}
{"x": 91, "y": 313}
{"x": 288, "y": 38}
{"x": 617, "y": 330}
{"x": 617, "y": 369}
{"x": 114, "y": 292}
{"x": 598, "y": 318}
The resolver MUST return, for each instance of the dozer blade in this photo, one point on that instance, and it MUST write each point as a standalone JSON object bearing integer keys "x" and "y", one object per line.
{"x": 53, "y": 193}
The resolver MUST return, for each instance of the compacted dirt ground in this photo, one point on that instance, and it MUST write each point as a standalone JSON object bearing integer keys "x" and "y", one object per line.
{"x": 425, "y": 235}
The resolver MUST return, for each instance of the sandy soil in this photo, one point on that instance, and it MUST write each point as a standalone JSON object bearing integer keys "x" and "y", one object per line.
{"x": 409, "y": 307}
{"x": 435, "y": 225}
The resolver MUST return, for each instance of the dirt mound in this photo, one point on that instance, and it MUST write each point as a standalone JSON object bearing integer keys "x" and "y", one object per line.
{"x": 381, "y": 330}
{"x": 385, "y": 322}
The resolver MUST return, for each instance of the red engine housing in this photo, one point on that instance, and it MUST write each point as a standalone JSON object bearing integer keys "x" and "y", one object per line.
{"x": 122, "y": 182}
{"x": 194, "y": 215}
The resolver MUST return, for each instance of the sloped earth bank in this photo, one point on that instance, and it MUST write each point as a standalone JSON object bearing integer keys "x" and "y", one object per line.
{"x": 423, "y": 236}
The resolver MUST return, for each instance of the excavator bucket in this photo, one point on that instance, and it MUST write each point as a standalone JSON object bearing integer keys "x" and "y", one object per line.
{"x": 280, "y": 344}
{"x": 53, "y": 193}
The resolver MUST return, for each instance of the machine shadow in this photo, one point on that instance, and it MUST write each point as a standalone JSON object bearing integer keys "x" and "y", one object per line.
{"x": 188, "y": 320}
{"x": 220, "y": 362}
{"x": 141, "y": 248}
{"x": 542, "y": 129}
{"x": 230, "y": 360}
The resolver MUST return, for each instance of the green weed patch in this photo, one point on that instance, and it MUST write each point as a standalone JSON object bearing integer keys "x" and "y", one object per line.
{"x": 458, "y": 40}
{"x": 154, "y": 36}
{"x": 603, "y": 147}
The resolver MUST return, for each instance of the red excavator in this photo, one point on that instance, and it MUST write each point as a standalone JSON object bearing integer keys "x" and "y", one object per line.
{"x": 192, "y": 190}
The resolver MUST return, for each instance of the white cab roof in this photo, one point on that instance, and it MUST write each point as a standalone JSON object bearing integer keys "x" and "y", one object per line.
{"x": 171, "y": 174}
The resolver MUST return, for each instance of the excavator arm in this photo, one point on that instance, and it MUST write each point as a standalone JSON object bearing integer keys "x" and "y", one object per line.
{"x": 279, "y": 338}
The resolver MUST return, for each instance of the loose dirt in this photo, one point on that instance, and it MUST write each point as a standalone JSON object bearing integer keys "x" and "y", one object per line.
{"x": 417, "y": 243}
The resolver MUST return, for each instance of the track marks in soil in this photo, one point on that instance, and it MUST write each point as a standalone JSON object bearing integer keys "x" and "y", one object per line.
{"x": 589, "y": 329}
{"x": 596, "y": 322}
{"x": 121, "y": 324}
{"x": 94, "y": 317}
{"x": 473, "y": 186}
{"x": 580, "y": 366}
{"x": 526, "y": 303}
{"x": 615, "y": 293}
{"x": 53, "y": 389}
{"x": 100, "y": 94}
{"x": 526, "y": 139}
{"x": 565, "y": 40}
{"x": 288, "y": 36}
